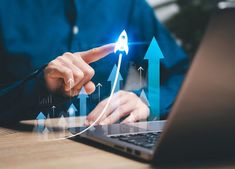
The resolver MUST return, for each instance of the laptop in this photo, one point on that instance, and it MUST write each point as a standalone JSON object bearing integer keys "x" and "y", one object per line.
{"x": 201, "y": 124}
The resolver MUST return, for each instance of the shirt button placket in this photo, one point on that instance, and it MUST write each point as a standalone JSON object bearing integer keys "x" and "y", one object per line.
{"x": 75, "y": 30}
{"x": 75, "y": 39}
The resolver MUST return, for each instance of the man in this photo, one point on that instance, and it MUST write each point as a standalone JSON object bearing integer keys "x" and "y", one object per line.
{"x": 34, "y": 33}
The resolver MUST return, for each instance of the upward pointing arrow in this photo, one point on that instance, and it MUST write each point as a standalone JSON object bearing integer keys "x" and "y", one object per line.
{"x": 143, "y": 97}
{"x": 62, "y": 122}
{"x": 99, "y": 86}
{"x": 72, "y": 113}
{"x": 40, "y": 123}
{"x": 83, "y": 96}
{"x": 72, "y": 110}
{"x": 140, "y": 69}
{"x": 53, "y": 110}
{"x": 41, "y": 116}
{"x": 112, "y": 78}
{"x": 153, "y": 55}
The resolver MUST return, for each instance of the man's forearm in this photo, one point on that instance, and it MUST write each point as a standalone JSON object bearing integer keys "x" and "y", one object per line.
{"x": 22, "y": 99}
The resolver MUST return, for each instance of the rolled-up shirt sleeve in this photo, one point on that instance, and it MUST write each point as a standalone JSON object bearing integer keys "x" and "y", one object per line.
{"x": 23, "y": 99}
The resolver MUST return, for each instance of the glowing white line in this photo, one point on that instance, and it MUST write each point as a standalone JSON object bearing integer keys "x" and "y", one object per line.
{"x": 106, "y": 106}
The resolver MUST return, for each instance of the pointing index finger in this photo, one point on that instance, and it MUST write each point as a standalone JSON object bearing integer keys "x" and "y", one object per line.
{"x": 96, "y": 54}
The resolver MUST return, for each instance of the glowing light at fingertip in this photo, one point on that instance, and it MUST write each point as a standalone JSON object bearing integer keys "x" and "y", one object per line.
{"x": 122, "y": 46}
{"x": 122, "y": 43}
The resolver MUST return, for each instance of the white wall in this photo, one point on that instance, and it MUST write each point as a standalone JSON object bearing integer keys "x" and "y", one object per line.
{"x": 166, "y": 12}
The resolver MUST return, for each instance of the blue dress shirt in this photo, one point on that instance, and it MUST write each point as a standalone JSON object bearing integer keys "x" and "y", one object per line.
{"x": 32, "y": 33}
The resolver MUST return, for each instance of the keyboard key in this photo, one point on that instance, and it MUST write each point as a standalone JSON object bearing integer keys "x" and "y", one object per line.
{"x": 146, "y": 140}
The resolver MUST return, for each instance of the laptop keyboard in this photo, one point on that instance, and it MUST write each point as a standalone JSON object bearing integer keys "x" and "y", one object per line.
{"x": 146, "y": 140}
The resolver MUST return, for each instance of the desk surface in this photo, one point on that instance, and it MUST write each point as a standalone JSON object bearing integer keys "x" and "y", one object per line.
{"x": 25, "y": 150}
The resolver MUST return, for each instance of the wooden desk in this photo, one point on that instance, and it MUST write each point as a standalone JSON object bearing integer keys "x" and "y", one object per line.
{"x": 28, "y": 150}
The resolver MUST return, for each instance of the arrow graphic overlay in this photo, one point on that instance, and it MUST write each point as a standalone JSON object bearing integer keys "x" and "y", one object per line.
{"x": 83, "y": 102}
{"x": 41, "y": 117}
{"x": 143, "y": 97}
{"x": 99, "y": 85}
{"x": 112, "y": 78}
{"x": 62, "y": 122}
{"x": 153, "y": 55}
{"x": 40, "y": 122}
{"x": 72, "y": 110}
{"x": 53, "y": 111}
{"x": 122, "y": 46}
{"x": 72, "y": 117}
{"x": 140, "y": 69}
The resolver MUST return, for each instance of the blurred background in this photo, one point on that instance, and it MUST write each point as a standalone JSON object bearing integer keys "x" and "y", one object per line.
{"x": 186, "y": 19}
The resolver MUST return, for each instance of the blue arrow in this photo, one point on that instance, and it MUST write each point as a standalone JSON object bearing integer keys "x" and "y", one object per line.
{"x": 153, "y": 55}
{"x": 72, "y": 110}
{"x": 83, "y": 97}
{"x": 41, "y": 116}
{"x": 72, "y": 113}
{"x": 112, "y": 78}
{"x": 40, "y": 122}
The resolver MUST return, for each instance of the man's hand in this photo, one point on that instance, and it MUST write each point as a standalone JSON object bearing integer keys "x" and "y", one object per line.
{"x": 122, "y": 104}
{"x": 71, "y": 71}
